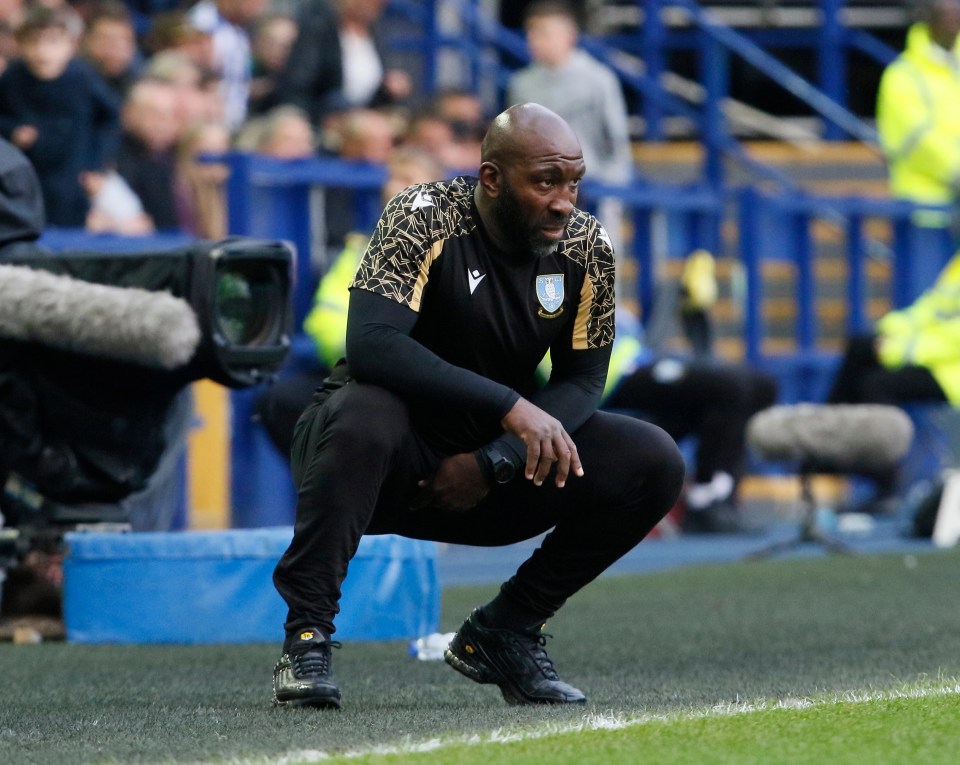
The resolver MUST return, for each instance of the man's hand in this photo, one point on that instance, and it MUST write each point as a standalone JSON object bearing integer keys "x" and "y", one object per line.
{"x": 547, "y": 443}
{"x": 458, "y": 484}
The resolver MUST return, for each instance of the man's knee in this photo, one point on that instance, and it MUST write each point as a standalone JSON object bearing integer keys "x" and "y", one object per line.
{"x": 640, "y": 460}
{"x": 666, "y": 475}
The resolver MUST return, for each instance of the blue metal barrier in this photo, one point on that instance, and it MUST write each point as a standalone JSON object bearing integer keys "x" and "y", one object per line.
{"x": 780, "y": 227}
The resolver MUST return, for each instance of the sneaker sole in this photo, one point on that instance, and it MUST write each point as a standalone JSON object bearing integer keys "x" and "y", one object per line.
{"x": 317, "y": 702}
{"x": 465, "y": 669}
{"x": 510, "y": 692}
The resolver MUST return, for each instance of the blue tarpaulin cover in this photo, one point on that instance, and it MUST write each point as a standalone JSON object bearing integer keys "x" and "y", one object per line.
{"x": 217, "y": 587}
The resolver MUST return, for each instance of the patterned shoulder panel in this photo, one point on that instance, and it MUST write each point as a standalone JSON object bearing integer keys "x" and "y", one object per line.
{"x": 589, "y": 246}
{"x": 410, "y": 236}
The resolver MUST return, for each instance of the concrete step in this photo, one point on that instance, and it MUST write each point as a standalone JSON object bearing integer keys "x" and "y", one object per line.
{"x": 827, "y": 167}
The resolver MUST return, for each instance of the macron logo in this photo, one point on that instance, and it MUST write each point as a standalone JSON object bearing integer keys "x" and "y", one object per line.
{"x": 474, "y": 277}
{"x": 421, "y": 200}
{"x": 604, "y": 237}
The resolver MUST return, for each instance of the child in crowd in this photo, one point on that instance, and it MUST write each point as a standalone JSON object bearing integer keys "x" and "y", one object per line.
{"x": 57, "y": 110}
{"x": 109, "y": 43}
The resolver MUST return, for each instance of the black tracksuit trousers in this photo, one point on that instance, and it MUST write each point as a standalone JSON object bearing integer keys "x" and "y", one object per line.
{"x": 356, "y": 462}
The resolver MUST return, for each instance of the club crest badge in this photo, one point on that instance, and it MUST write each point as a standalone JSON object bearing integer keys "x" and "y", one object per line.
{"x": 550, "y": 295}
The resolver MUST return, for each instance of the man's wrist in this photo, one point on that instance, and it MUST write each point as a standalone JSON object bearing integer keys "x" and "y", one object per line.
{"x": 495, "y": 464}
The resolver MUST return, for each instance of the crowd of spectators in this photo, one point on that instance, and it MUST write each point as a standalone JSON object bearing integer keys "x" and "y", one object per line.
{"x": 114, "y": 108}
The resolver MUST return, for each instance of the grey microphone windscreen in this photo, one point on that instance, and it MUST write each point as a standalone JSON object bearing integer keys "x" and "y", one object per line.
{"x": 842, "y": 437}
{"x": 154, "y": 329}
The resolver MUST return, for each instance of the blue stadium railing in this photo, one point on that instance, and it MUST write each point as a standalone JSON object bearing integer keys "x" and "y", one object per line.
{"x": 489, "y": 52}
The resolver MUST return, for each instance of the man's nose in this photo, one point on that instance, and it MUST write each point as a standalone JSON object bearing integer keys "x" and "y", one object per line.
{"x": 563, "y": 202}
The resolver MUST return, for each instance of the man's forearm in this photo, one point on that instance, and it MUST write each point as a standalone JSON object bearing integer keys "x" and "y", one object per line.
{"x": 380, "y": 350}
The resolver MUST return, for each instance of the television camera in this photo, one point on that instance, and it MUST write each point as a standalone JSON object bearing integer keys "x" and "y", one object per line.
{"x": 94, "y": 347}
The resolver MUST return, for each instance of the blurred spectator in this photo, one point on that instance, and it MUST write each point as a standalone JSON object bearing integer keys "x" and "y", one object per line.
{"x": 336, "y": 61}
{"x": 227, "y": 22}
{"x": 279, "y": 407}
{"x": 174, "y": 67}
{"x": 200, "y": 187}
{"x": 360, "y": 135}
{"x": 366, "y": 135}
{"x": 918, "y": 119}
{"x": 366, "y": 82}
{"x": 174, "y": 31}
{"x": 151, "y": 129}
{"x": 462, "y": 110}
{"x": 582, "y": 90}
{"x": 109, "y": 43}
{"x": 8, "y": 43}
{"x": 273, "y": 37}
{"x": 198, "y": 96}
{"x": 283, "y": 133}
{"x": 451, "y": 127}
{"x": 911, "y": 356}
{"x": 429, "y": 132}
{"x": 114, "y": 207}
{"x": 58, "y": 111}
{"x": 10, "y": 15}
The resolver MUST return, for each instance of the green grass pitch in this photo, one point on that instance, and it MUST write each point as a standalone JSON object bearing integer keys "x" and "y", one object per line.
{"x": 845, "y": 659}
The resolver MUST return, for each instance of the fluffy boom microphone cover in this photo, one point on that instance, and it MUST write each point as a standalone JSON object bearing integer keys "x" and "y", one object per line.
{"x": 153, "y": 329}
{"x": 844, "y": 437}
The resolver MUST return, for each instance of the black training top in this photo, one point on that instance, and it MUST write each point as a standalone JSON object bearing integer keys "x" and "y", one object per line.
{"x": 464, "y": 324}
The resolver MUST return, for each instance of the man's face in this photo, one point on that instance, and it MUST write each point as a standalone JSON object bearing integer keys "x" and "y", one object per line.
{"x": 47, "y": 52}
{"x": 550, "y": 39}
{"x": 536, "y": 200}
{"x": 154, "y": 118}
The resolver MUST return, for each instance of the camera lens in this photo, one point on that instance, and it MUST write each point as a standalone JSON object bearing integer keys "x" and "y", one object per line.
{"x": 245, "y": 309}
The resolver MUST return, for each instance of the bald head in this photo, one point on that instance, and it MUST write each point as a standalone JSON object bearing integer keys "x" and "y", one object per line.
{"x": 530, "y": 171}
{"x": 528, "y": 130}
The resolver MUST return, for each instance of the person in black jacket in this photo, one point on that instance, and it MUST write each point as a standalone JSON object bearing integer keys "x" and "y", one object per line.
{"x": 337, "y": 63}
{"x": 435, "y": 428}
{"x": 147, "y": 155}
{"x": 57, "y": 110}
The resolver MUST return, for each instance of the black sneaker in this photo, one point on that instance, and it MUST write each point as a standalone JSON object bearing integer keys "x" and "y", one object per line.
{"x": 302, "y": 676}
{"x": 516, "y": 661}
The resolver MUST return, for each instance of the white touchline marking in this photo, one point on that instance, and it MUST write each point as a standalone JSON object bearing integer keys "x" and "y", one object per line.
{"x": 599, "y": 721}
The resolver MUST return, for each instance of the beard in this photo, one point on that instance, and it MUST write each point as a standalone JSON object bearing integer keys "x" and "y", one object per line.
{"x": 516, "y": 227}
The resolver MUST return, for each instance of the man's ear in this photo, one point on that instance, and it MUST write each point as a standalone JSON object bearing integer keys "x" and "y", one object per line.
{"x": 491, "y": 179}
